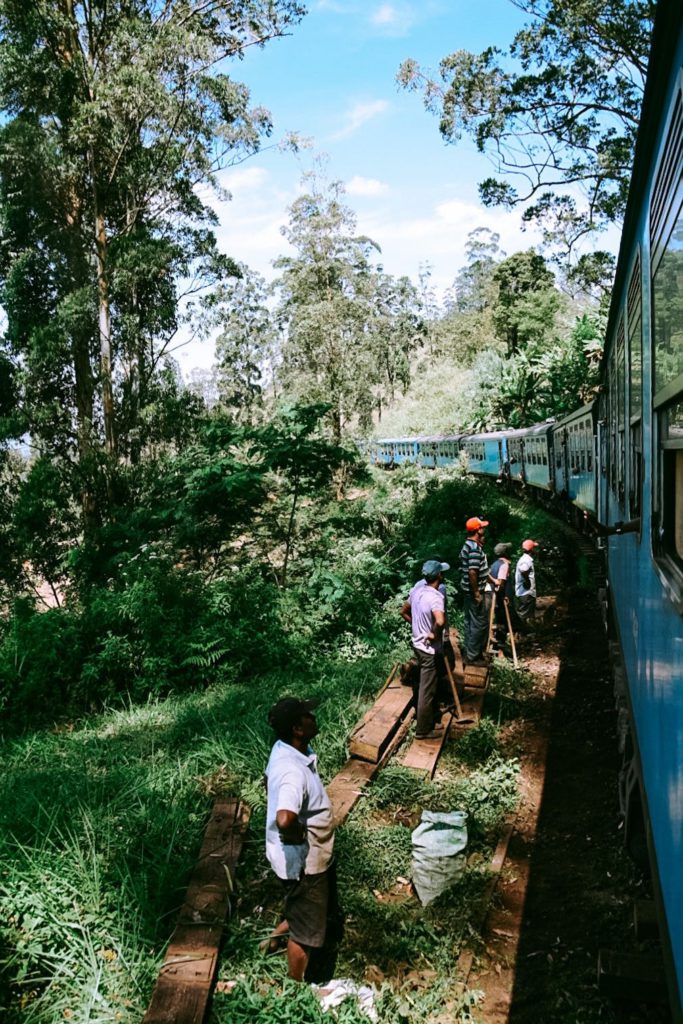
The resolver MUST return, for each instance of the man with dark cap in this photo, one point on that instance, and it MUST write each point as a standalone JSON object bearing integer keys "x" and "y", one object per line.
{"x": 503, "y": 592}
{"x": 299, "y": 833}
{"x": 474, "y": 573}
{"x": 425, "y": 610}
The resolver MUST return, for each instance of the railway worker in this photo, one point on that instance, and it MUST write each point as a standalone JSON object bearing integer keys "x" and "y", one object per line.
{"x": 503, "y": 593}
{"x": 299, "y": 835}
{"x": 473, "y": 578}
{"x": 525, "y": 583}
{"x": 425, "y": 610}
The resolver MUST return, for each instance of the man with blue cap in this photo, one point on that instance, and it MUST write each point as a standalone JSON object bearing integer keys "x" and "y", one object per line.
{"x": 425, "y": 610}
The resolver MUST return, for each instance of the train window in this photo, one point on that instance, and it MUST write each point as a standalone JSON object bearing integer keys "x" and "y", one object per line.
{"x": 621, "y": 412}
{"x": 612, "y": 413}
{"x": 635, "y": 344}
{"x": 667, "y": 352}
{"x": 668, "y": 322}
{"x": 583, "y": 450}
{"x": 672, "y": 465}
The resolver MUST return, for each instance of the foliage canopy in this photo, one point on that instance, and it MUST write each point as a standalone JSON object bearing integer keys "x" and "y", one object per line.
{"x": 557, "y": 112}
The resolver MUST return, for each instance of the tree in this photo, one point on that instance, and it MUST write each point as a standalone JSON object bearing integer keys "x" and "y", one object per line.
{"x": 396, "y": 329}
{"x": 303, "y": 459}
{"x": 114, "y": 113}
{"x": 527, "y": 300}
{"x": 474, "y": 288}
{"x": 533, "y": 385}
{"x": 334, "y": 308}
{"x": 246, "y": 343}
{"x": 559, "y": 111}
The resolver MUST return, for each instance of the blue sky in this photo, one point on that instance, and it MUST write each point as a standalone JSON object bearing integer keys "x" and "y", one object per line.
{"x": 333, "y": 80}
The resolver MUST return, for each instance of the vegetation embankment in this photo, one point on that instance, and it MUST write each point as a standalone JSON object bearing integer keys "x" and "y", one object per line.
{"x": 102, "y": 815}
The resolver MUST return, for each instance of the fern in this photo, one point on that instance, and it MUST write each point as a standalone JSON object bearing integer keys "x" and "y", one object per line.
{"x": 205, "y": 655}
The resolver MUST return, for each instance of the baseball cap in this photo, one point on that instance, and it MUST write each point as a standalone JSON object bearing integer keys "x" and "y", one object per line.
{"x": 432, "y": 568}
{"x": 502, "y": 550}
{"x": 529, "y": 545}
{"x": 475, "y": 524}
{"x": 288, "y": 712}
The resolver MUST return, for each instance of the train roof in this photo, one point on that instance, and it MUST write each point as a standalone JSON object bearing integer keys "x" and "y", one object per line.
{"x": 419, "y": 438}
{"x": 535, "y": 430}
{"x": 585, "y": 410}
{"x": 487, "y": 435}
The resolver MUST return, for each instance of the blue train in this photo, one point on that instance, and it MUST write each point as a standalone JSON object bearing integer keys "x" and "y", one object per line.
{"x": 617, "y": 463}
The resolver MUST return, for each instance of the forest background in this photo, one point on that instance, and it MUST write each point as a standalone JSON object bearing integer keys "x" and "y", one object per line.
{"x": 159, "y": 536}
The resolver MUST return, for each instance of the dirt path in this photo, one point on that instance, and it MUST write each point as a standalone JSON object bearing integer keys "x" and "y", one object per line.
{"x": 567, "y": 887}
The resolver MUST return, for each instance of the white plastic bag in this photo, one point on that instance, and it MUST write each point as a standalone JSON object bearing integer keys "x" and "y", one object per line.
{"x": 438, "y": 859}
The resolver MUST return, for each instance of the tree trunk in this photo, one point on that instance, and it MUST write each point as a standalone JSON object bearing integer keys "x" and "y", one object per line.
{"x": 290, "y": 532}
{"x": 104, "y": 324}
{"x": 81, "y": 341}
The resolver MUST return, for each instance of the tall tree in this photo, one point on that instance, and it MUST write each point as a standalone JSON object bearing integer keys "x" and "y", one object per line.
{"x": 397, "y": 329}
{"x": 474, "y": 288}
{"x": 334, "y": 338}
{"x": 527, "y": 301}
{"x": 557, "y": 112}
{"x": 115, "y": 111}
{"x": 246, "y": 343}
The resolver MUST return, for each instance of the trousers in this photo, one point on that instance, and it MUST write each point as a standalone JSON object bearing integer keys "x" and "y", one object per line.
{"x": 427, "y": 692}
{"x": 475, "y": 628}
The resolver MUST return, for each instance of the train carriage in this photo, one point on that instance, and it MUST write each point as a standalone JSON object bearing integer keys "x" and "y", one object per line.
{"x": 641, "y": 440}
{"x": 390, "y": 452}
{"x": 486, "y": 453}
{"x": 574, "y": 458}
{"x": 529, "y": 458}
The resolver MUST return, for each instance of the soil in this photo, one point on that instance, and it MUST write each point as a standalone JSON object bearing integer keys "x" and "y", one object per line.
{"x": 567, "y": 887}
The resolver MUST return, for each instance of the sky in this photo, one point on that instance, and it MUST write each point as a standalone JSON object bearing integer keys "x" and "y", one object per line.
{"x": 333, "y": 80}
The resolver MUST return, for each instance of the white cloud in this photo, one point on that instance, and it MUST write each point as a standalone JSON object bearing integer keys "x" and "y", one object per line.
{"x": 335, "y": 7}
{"x": 359, "y": 186}
{"x": 359, "y": 115}
{"x": 393, "y": 19}
{"x": 244, "y": 179}
{"x": 438, "y": 237}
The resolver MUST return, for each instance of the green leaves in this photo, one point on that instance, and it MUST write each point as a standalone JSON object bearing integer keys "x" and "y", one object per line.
{"x": 349, "y": 328}
{"x": 115, "y": 113}
{"x": 559, "y": 108}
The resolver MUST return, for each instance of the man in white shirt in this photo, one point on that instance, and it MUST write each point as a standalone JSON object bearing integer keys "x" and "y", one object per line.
{"x": 299, "y": 833}
{"x": 426, "y": 612}
{"x": 525, "y": 583}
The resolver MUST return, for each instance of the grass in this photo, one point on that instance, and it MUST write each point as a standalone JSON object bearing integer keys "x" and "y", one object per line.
{"x": 101, "y": 824}
{"x": 101, "y": 821}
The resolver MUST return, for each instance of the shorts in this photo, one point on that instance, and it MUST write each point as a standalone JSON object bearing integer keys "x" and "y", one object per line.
{"x": 306, "y": 904}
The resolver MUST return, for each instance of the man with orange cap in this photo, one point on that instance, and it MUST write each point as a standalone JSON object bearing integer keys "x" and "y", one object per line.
{"x": 525, "y": 583}
{"x": 474, "y": 574}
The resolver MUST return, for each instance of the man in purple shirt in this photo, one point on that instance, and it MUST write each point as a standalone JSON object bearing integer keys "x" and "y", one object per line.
{"x": 425, "y": 611}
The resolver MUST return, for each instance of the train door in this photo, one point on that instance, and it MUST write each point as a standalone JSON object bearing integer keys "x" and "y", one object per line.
{"x": 564, "y": 456}
{"x": 601, "y": 466}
